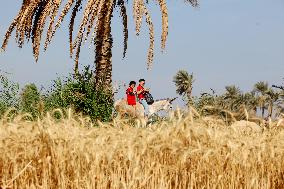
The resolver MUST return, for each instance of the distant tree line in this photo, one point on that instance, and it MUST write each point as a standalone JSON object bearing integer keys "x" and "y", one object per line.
{"x": 263, "y": 100}
{"x": 78, "y": 92}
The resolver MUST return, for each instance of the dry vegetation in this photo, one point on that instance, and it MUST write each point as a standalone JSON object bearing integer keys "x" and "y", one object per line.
{"x": 179, "y": 153}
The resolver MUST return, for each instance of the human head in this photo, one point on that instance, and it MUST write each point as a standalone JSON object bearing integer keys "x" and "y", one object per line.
{"x": 132, "y": 84}
{"x": 142, "y": 82}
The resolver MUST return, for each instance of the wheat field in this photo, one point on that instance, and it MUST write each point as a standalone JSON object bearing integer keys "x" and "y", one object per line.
{"x": 177, "y": 153}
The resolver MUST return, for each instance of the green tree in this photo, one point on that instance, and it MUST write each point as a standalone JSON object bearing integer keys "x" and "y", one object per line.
{"x": 205, "y": 100}
{"x": 261, "y": 88}
{"x": 9, "y": 94}
{"x": 272, "y": 99}
{"x": 232, "y": 92}
{"x": 78, "y": 92}
{"x": 30, "y": 98}
{"x": 251, "y": 102}
{"x": 184, "y": 84}
{"x": 279, "y": 104}
{"x": 231, "y": 96}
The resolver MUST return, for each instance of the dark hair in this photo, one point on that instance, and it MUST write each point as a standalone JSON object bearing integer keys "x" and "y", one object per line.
{"x": 132, "y": 82}
{"x": 141, "y": 80}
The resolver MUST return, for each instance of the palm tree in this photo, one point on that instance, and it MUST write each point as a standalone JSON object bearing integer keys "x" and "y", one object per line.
{"x": 231, "y": 95}
{"x": 183, "y": 81}
{"x": 33, "y": 16}
{"x": 232, "y": 92}
{"x": 251, "y": 103}
{"x": 272, "y": 99}
{"x": 261, "y": 88}
{"x": 279, "y": 104}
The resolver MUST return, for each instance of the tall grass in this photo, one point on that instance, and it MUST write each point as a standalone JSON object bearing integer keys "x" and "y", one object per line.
{"x": 178, "y": 153}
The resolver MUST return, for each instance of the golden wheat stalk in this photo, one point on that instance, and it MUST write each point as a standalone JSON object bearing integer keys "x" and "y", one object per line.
{"x": 177, "y": 153}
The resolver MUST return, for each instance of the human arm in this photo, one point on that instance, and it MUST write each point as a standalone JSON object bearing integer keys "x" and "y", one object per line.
{"x": 130, "y": 92}
{"x": 141, "y": 90}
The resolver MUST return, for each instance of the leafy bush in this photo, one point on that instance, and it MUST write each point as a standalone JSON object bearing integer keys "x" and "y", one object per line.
{"x": 30, "y": 98}
{"x": 55, "y": 98}
{"x": 9, "y": 94}
{"x": 78, "y": 92}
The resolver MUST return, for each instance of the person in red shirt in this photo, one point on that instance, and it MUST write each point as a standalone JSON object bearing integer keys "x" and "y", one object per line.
{"x": 141, "y": 91}
{"x": 131, "y": 94}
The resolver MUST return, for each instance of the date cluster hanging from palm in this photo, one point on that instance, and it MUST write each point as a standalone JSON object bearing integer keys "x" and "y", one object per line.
{"x": 35, "y": 15}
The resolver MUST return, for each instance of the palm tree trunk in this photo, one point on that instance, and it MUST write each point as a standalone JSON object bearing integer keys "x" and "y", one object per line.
{"x": 270, "y": 109}
{"x": 189, "y": 97}
{"x": 262, "y": 108}
{"x": 103, "y": 42}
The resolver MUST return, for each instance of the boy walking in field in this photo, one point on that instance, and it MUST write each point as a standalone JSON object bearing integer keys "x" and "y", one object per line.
{"x": 131, "y": 94}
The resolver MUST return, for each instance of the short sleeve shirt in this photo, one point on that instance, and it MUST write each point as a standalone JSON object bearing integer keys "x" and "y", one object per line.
{"x": 141, "y": 95}
{"x": 131, "y": 97}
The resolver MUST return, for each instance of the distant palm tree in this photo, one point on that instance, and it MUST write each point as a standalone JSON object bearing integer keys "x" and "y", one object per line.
{"x": 184, "y": 81}
{"x": 280, "y": 104}
{"x": 251, "y": 103}
{"x": 272, "y": 99}
{"x": 34, "y": 15}
{"x": 261, "y": 88}
{"x": 231, "y": 97}
{"x": 232, "y": 91}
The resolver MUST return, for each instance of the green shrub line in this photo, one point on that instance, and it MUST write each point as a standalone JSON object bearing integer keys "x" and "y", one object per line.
{"x": 75, "y": 91}
{"x": 9, "y": 94}
{"x": 78, "y": 92}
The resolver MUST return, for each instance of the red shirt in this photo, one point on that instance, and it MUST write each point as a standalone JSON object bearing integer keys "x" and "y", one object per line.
{"x": 131, "y": 97}
{"x": 141, "y": 95}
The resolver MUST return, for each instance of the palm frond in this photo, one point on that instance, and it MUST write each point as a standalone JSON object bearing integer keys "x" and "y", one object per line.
{"x": 183, "y": 81}
{"x": 165, "y": 23}
{"x": 123, "y": 14}
{"x": 138, "y": 12}
{"x": 54, "y": 12}
{"x": 261, "y": 87}
{"x": 232, "y": 91}
{"x": 151, "y": 33}
{"x": 71, "y": 25}
{"x": 193, "y": 3}
{"x": 35, "y": 15}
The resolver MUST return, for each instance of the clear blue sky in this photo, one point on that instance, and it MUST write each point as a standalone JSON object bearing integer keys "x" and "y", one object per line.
{"x": 222, "y": 42}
